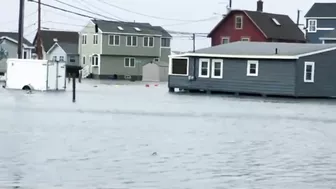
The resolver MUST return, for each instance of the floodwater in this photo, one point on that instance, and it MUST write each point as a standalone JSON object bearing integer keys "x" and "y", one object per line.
{"x": 129, "y": 136}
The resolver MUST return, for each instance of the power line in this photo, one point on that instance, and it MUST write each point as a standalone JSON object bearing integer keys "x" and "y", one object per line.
{"x": 150, "y": 16}
{"x": 91, "y": 12}
{"x": 91, "y": 17}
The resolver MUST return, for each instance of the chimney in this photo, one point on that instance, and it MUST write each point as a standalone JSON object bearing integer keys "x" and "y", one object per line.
{"x": 260, "y": 6}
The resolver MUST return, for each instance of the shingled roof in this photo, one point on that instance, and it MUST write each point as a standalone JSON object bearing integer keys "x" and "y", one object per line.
{"x": 130, "y": 27}
{"x": 286, "y": 30}
{"x": 15, "y": 36}
{"x": 322, "y": 10}
{"x": 48, "y": 37}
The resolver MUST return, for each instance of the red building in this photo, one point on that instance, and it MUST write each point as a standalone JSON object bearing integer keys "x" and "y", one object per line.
{"x": 244, "y": 25}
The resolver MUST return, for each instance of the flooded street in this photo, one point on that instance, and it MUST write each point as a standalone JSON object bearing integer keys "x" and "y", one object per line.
{"x": 129, "y": 136}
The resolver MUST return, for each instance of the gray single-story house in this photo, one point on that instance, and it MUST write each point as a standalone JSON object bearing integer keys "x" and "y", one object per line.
{"x": 64, "y": 52}
{"x": 286, "y": 69}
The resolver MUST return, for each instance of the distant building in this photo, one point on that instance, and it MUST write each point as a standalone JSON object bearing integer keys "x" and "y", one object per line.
{"x": 120, "y": 49}
{"x": 9, "y": 46}
{"x": 60, "y": 45}
{"x": 245, "y": 25}
{"x": 321, "y": 23}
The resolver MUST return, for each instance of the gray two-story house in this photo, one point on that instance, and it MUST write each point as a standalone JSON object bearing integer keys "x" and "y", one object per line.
{"x": 120, "y": 49}
{"x": 321, "y": 23}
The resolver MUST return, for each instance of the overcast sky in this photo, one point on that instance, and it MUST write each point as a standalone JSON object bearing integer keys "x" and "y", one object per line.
{"x": 177, "y": 14}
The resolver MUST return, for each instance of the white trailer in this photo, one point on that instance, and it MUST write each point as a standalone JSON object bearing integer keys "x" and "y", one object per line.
{"x": 41, "y": 75}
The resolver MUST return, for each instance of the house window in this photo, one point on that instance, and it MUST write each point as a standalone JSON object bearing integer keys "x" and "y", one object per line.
{"x": 61, "y": 59}
{"x": 165, "y": 42}
{"x": 245, "y": 39}
{"x": 312, "y": 25}
{"x": 95, "y": 39}
{"x": 84, "y": 39}
{"x": 94, "y": 60}
{"x": 225, "y": 40}
{"x": 83, "y": 60}
{"x": 204, "y": 68}
{"x": 179, "y": 66}
{"x": 252, "y": 68}
{"x": 114, "y": 40}
{"x": 148, "y": 41}
{"x": 132, "y": 41}
{"x": 309, "y": 72}
{"x": 239, "y": 22}
{"x": 54, "y": 58}
{"x": 217, "y": 68}
{"x": 73, "y": 59}
{"x": 129, "y": 62}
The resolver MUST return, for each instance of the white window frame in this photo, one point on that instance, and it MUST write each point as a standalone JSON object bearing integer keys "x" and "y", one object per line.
{"x": 310, "y": 25}
{"x": 200, "y": 67}
{"x": 27, "y": 54}
{"x": 312, "y": 73}
{"x": 84, "y": 39}
{"x": 94, "y": 61}
{"x": 245, "y": 39}
{"x": 248, "y": 69}
{"x": 227, "y": 38}
{"x": 132, "y": 39}
{"x": 114, "y": 40}
{"x": 170, "y": 69}
{"x": 95, "y": 39}
{"x": 60, "y": 58}
{"x": 148, "y": 40}
{"x": 72, "y": 58}
{"x": 130, "y": 58}
{"x": 236, "y": 18}
{"x": 54, "y": 58}
{"x": 213, "y": 68}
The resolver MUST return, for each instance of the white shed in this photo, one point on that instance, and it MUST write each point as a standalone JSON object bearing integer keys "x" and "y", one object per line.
{"x": 157, "y": 71}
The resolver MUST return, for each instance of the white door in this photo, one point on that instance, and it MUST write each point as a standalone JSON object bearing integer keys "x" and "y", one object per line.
{"x": 60, "y": 85}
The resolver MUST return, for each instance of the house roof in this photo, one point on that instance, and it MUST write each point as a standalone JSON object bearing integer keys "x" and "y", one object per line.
{"x": 130, "y": 27}
{"x": 48, "y": 37}
{"x": 69, "y": 48}
{"x": 262, "y": 50}
{"x": 15, "y": 36}
{"x": 287, "y": 30}
{"x": 322, "y": 10}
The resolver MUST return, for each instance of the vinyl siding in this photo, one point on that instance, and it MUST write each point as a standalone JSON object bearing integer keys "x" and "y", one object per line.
{"x": 276, "y": 77}
{"x": 138, "y": 50}
{"x": 325, "y": 76}
{"x": 111, "y": 65}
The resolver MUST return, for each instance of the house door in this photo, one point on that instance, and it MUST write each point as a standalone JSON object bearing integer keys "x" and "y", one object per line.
{"x": 60, "y": 76}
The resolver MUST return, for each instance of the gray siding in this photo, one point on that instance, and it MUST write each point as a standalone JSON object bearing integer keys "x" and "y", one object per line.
{"x": 276, "y": 77}
{"x": 321, "y": 23}
{"x": 325, "y": 78}
{"x": 165, "y": 52}
{"x": 11, "y": 48}
{"x": 138, "y": 50}
{"x": 111, "y": 65}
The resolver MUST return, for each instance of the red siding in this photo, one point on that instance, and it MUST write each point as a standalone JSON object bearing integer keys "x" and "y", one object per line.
{"x": 227, "y": 29}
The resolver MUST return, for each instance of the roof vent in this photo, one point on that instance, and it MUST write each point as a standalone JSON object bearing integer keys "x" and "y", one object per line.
{"x": 260, "y": 6}
{"x": 120, "y": 28}
{"x": 55, "y": 40}
{"x": 276, "y": 21}
{"x": 137, "y": 29}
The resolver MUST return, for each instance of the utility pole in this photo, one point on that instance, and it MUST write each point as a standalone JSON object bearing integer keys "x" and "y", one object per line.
{"x": 194, "y": 42}
{"x": 38, "y": 42}
{"x": 21, "y": 24}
